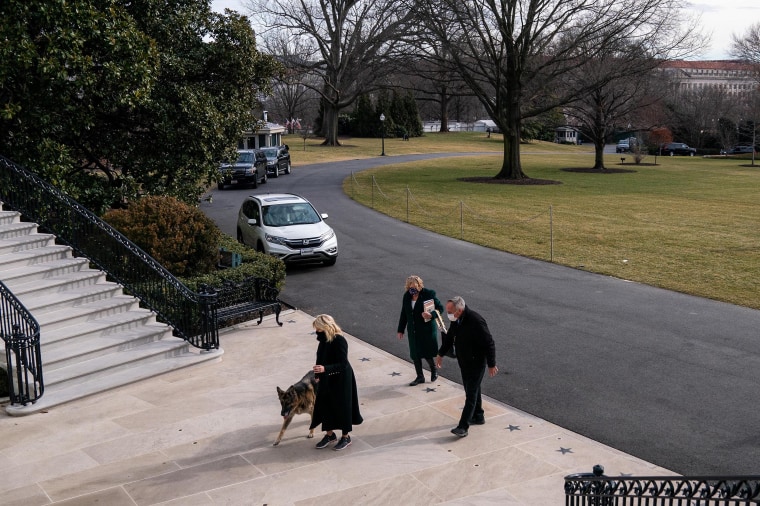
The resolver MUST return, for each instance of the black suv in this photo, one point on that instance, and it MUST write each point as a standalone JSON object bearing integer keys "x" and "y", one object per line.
{"x": 278, "y": 160}
{"x": 678, "y": 148}
{"x": 249, "y": 168}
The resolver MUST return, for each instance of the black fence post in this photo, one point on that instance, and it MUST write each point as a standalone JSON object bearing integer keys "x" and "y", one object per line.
{"x": 207, "y": 298}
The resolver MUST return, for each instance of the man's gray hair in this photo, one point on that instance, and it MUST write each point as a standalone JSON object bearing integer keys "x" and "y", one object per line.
{"x": 458, "y": 302}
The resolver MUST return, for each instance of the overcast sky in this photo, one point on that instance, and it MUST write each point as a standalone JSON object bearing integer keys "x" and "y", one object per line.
{"x": 720, "y": 18}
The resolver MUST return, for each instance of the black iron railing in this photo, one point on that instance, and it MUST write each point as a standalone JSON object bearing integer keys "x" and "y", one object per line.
{"x": 123, "y": 261}
{"x": 21, "y": 334}
{"x": 595, "y": 489}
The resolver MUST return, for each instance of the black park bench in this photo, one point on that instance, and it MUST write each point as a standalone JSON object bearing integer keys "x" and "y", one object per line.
{"x": 238, "y": 301}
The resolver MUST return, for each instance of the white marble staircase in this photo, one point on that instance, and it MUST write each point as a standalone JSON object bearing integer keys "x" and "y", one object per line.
{"x": 93, "y": 337}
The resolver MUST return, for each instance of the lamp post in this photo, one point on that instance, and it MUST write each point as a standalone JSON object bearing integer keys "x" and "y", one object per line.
{"x": 382, "y": 134}
{"x": 754, "y": 132}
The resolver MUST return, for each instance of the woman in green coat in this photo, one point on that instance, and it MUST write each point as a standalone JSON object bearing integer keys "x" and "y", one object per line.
{"x": 419, "y": 321}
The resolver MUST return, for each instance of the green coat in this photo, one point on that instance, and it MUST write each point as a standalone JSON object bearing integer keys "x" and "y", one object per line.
{"x": 422, "y": 335}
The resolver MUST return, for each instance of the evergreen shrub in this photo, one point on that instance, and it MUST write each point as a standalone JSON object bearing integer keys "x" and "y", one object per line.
{"x": 179, "y": 236}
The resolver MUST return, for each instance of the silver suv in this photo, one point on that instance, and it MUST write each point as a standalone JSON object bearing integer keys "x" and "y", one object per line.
{"x": 286, "y": 226}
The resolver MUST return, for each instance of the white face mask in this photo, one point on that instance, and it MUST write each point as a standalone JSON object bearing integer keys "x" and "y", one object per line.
{"x": 452, "y": 318}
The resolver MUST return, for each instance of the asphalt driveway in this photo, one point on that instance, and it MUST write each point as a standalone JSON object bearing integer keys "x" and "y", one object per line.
{"x": 667, "y": 377}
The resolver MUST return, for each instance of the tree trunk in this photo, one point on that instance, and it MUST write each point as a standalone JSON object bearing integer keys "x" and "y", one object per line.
{"x": 510, "y": 127}
{"x": 444, "y": 110}
{"x": 330, "y": 125}
{"x": 599, "y": 153}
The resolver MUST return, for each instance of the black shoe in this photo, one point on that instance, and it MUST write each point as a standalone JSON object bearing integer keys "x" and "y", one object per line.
{"x": 433, "y": 376}
{"x": 460, "y": 432}
{"x": 329, "y": 438}
{"x": 344, "y": 442}
{"x": 417, "y": 381}
{"x": 477, "y": 421}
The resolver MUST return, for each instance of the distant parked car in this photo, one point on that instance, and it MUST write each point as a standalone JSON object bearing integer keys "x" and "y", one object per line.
{"x": 678, "y": 148}
{"x": 737, "y": 150}
{"x": 626, "y": 145}
{"x": 278, "y": 160}
{"x": 249, "y": 168}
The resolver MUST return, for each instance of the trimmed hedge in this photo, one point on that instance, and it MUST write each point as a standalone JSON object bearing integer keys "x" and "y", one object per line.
{"x": 253, "y": 263}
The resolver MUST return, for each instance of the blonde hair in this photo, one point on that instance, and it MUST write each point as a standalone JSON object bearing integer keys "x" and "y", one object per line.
{"x": 414, "y": 281}
{"x": 325, "y": 323}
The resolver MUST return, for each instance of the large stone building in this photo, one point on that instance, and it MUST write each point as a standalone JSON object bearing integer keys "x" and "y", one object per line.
{"x": 731, "y": 75}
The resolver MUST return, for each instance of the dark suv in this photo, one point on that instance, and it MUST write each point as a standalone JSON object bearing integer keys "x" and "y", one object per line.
{"x": 249, "y": 168}
{"x": 678, "y": 148}
{"x": 278, "y": 160}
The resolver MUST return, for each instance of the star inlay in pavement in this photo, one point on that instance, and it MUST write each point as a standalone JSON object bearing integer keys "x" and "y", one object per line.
{"x": 364, "y": 359}
{"x": 563, "y": 451}
{"x": 513, "y": 427}
{"x": 394, "y": 373}
{"x": 428, "y": 389}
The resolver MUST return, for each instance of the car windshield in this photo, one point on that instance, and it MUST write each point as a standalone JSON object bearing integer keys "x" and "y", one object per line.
{"x": 245, "y": 157}
{"x": 270, "y": 152}
{"x": 283, "y": 215}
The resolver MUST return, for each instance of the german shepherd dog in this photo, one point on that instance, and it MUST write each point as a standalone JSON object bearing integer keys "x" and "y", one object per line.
{"x": 298, "y": 398}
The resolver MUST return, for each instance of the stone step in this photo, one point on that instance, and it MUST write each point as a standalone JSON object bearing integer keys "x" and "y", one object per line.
{"x": 42, "y": 303}
{"x": 24, "y": 289}
{"x": 77, "y": 315}
{"x": 44, "y": 271}
{"x": 25, "y": 242}
{"x": 35, "y": 256}
{"x": 112, "y": 362}
{"x": 109, "y": 325}
{"x": 7, "y": 217}
{"x": 17, "y": 229}
{"x": 57, "y": 394}
{"x": 83, "y": 349}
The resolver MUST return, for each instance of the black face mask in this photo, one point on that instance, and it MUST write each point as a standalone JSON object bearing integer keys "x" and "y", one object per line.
{"x": 413, "y": 292}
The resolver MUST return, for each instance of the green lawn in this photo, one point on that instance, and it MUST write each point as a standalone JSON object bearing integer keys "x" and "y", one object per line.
{"x": 686, "y": 224}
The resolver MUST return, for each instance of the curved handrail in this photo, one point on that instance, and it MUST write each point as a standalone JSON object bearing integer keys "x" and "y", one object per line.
{"x": 21, "y": 334}
{"x": 123, "y": 261}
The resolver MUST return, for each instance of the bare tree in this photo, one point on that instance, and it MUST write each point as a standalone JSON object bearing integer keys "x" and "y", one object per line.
{"x": 291, "y": 99}
{"x": 704, "y": 112}
{"x": 512, "y": 52}
{"x": 747, "y": 47}
{"x": 350, "y": 43}
{"x": 620, "y": 84}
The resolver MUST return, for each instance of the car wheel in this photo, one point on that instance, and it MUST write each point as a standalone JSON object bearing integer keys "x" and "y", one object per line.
{"x": 256, "y": 180}
{"x": 276, "y": 172}
{"x": 330, "y": 261}
{"x": 691, "y": 154}
{"x": 265, "y": 178}
{"x": 240, "y": 236}
{"x": 220, "y": 185}
{"x": 287, "y": 168}
{"x": 671, "y": 153}
{"x": 260, "y": 247}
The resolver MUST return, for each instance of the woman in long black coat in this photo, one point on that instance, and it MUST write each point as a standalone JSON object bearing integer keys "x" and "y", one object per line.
{"x": 420, "y": 326}
{"x": 337, "y": 403}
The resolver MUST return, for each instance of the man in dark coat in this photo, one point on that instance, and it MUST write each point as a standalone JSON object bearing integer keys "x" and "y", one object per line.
{"x": 475, "y": 350}
{"x": 420, "y": 326}
{"x": 337, "y": 404}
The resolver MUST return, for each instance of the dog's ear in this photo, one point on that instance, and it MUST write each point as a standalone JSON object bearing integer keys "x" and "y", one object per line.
{"x": 280, "y": 391}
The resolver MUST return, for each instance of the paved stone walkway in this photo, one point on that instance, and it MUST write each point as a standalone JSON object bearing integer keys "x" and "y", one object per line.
{"x": 203, "y": 436}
